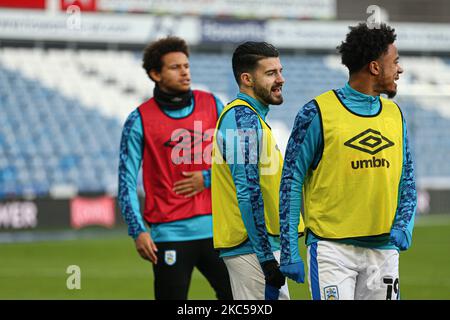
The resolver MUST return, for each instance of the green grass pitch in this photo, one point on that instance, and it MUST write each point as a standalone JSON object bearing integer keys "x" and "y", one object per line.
{"x": 112, "y": 269}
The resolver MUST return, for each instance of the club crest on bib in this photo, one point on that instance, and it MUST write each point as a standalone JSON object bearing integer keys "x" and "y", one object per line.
{"x": 331, "y": 293}
{"x": 170, "y": 257}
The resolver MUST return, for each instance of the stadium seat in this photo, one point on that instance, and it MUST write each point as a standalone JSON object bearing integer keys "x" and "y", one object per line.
{"x": 63, "y": 110}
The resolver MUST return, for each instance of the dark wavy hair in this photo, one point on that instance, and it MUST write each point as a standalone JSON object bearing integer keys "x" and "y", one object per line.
{"x": 363, "y": 45}
{"x": 154, "y": 52}
{"x": 246, "y": 57}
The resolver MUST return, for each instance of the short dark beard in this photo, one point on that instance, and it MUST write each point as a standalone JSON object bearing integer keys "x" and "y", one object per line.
{"x": 265, "y": 96}
{"x": 391, "y": 94}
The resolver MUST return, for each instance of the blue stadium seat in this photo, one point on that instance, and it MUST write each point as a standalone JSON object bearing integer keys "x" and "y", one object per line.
{"x": 52, "y": 139}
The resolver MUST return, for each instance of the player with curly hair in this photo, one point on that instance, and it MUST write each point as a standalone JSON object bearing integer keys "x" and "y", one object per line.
{"x": 348, "y": 159}
{"x": 169, "y": 134}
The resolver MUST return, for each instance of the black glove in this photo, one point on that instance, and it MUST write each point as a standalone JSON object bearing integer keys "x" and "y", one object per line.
{"x": 272, "y": 274}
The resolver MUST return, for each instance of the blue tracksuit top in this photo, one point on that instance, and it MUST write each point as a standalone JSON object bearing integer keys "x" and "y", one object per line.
{"x": 245, "y": 176}
{"x": 305, "y": 147}
{"x": 131, "y": 150}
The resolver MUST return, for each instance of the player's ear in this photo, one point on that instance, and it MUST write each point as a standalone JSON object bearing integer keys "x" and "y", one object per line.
{"x": 246, "y": 79}
{"x": 155, "y": 75}
{"x": 374, "y": 68}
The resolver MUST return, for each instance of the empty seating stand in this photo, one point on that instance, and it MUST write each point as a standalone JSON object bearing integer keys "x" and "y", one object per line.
{"x": 62, "y": 111}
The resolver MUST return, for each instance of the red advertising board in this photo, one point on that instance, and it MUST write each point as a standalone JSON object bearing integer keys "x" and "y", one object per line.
{"x": 84, "y": 5}
{"x": 92, "y": 211}
{"x": 23, "y": 4}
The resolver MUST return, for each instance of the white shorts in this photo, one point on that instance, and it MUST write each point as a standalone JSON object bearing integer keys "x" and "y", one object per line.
{"x": 346, "y": 272}
{"x": 247, "y": 278}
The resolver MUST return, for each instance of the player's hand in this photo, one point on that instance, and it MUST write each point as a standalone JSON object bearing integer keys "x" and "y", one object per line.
{"x": 146, "y": 247}
{"x": 294, "y": 271}
{"x": 272, "y": 274}
{"x": 399, "y": 239}
{"x": 190, "y": 186}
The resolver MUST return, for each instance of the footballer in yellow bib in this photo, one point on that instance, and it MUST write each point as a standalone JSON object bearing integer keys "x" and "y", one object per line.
{"x": 245, "y": 178}
{"x": 349, "y": 164}
{"x": 353, "y": 190}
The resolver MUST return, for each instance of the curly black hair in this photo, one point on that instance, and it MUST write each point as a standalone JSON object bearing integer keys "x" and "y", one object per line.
{"x": 154, "y": 52}
{"x": 247, "y": 55}
{"x": 363, "y": 45}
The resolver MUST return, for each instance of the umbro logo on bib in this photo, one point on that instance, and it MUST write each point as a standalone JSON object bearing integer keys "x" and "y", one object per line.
{"x": 369, "y": 141}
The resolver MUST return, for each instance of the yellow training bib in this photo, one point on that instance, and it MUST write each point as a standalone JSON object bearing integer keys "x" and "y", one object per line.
{"x": 228, "y": 226}
{"x": 353, "y": 192}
